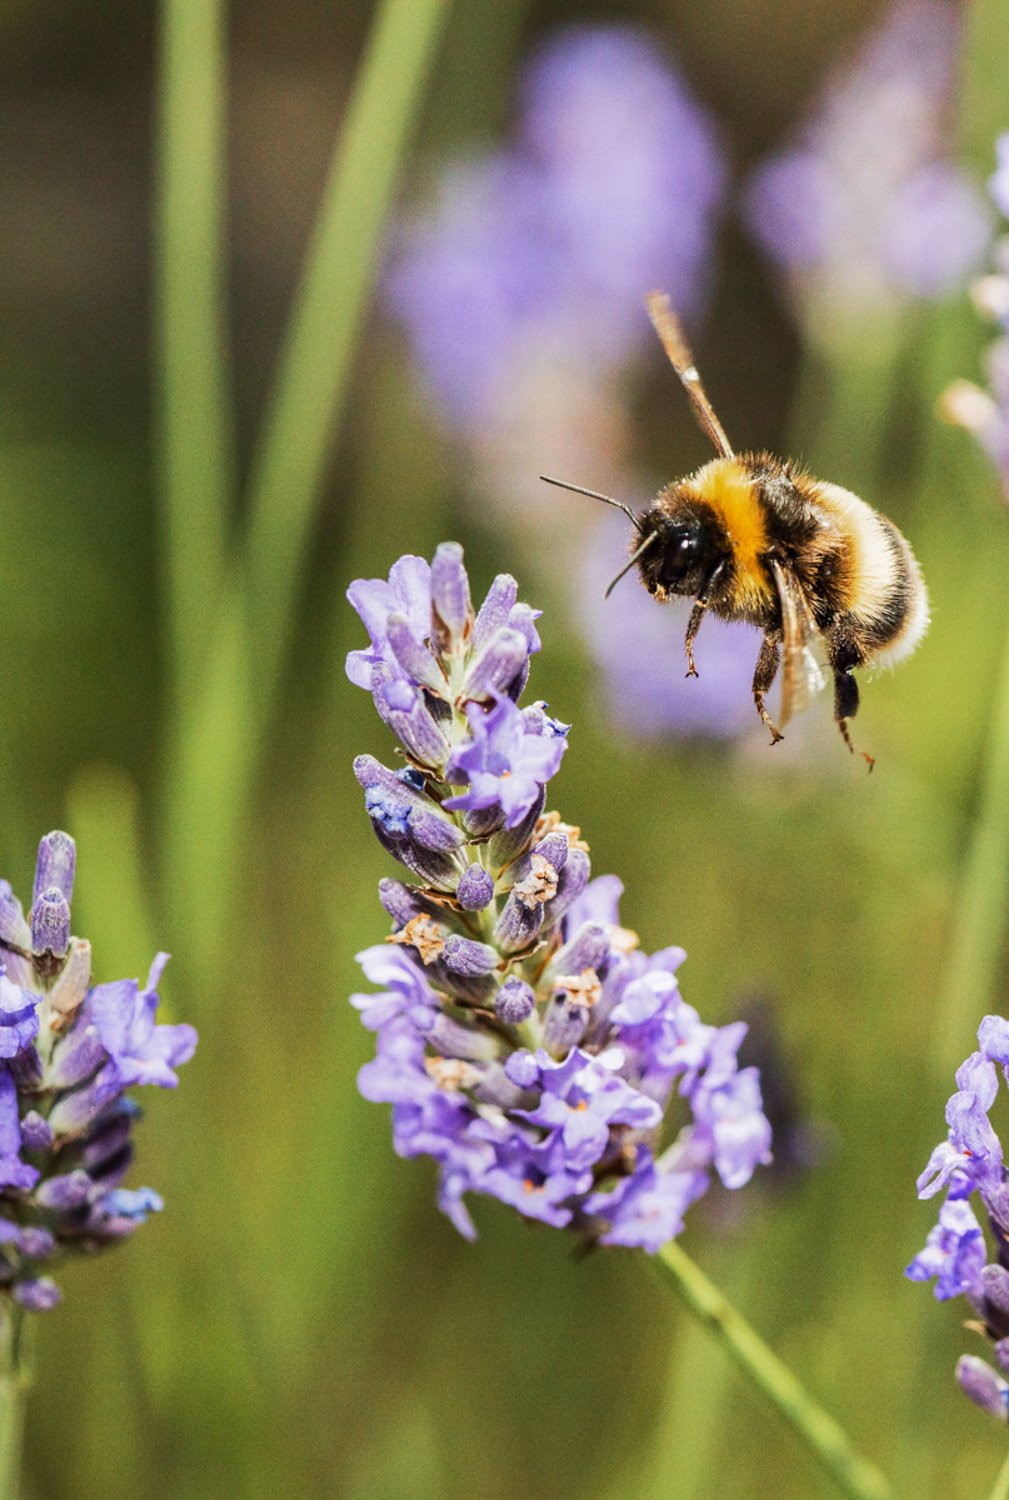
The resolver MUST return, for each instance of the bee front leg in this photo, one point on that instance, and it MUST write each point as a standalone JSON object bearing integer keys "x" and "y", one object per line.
{"x": 764, "y": 675}
{"x": 693, "y": 626}
{"x": 697, "y": 615}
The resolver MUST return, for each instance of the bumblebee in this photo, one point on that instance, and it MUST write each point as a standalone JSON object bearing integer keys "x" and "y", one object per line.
{"x": 752, "y": 538}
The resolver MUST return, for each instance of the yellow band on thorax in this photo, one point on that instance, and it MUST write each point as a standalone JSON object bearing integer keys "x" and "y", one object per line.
{"x": 725, "y": 485}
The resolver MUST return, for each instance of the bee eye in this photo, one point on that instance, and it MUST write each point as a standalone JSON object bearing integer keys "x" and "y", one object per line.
{"x": 681, "y": 554}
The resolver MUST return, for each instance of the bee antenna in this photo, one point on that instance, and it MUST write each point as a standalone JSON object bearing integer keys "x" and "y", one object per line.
{"x": 653, "y": 536}
{"x": 595, "y": 495}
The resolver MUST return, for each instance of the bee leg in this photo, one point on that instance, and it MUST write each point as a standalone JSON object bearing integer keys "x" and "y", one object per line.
{"x": 697, "y": 615}
{"x": 763, "y": 677}
{"x": 846, "y": 707}
{"x": 693, "y": 626}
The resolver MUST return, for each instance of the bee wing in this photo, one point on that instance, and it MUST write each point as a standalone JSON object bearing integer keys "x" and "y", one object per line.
{"x": 800, "y": 674}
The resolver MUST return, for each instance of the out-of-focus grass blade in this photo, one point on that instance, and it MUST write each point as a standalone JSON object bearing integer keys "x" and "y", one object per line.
{"x": 326, "y": 322}
{"x": 206, "y": 797}
{"x": 219, "y": 738}
{"x": 111, "y": 890}
{"x": 193, "y": 404}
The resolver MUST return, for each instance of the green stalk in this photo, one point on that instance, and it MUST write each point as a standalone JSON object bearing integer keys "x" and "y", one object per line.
{"x": 14, "y": 1382}
{"x": 325, "y": 327}
{"x": 193, "y": 406}
{"x": 823, "y": 1437}
{"x": 219, "y": 740}
{"x": 1000, "y": 1490}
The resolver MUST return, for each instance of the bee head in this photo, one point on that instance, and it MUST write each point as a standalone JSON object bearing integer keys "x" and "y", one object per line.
{"x": 688, "y": 545}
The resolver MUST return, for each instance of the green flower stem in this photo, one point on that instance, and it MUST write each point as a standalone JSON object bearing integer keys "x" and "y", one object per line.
{"x": 218, "y": 741}
{"x": 979, "y": 922}
{"x": 325, "y": 326}
{"x": 14, "y": 1382}
{"x": 820, "y": 1433}
{"x": 1000, "y": 1489}
{"x": 193, "y": 401}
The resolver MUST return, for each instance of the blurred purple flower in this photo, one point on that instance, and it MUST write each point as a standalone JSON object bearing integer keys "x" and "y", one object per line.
{"x": 866, "y": 208}
{"x": 522, "y": 1040}
{"x": 545, "y": 249}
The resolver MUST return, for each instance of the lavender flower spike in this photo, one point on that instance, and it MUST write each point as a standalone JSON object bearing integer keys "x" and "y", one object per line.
{"x": 968, "y": 1164}
{"x": 523, "y": 1041}
{"x": 69, "y": 1050}
{"x": 984, "y": 413}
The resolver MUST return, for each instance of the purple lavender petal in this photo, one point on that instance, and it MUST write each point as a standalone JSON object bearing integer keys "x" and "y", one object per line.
{"x": 37, "y": 1293}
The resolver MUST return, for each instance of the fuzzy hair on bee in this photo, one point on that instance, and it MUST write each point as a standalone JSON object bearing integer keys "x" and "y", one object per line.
{"x": 751, "y": 537}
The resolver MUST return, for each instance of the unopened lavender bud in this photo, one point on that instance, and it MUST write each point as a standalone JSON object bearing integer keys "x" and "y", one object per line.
{"x": 515, "y": 1001}
{"x": 64, "y": 1192}
{"x": 35, "y": 1132}
{"x": 1002, "y": 1353}
{"x": 588, "y": 949}
{"x": 432, "y": 829}
{"x": 13, "y": 927}
{"x": 518, "y": 925}
{"x": 453, "y": 1039}
{"x": 979, "y": 1381}
{"x": 414, "y": 657}
{"x": 54, "y": 866}
{"x": 523, "y": 619}
{"x": 409, "y": 718}
{"x": 509, "y": 842}
{"x": 495, "y": 609}
{"x": 402, "y": 902}
{"x": 435, "y": 870}
{"x": 564, "y": 1024}
{"x": 450, "y": 588}
{"x": 995, "y": 1288}
{"x": 481, "y": 821}
{"x": 571, "y": 883}
{"x": 464, "y": 956}
{"x": 67, "y": 994}
{"x": 476, "y": 888}
{"x": 498, "y": 665}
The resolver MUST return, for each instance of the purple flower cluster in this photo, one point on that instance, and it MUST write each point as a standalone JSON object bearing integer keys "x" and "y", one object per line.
{"x": 544, "y": 250}
{"x": 523, "y": 1039}
{"x": 970, "y": 1161}
{"x": 69, "y": 1051}
{"x": 985, "y": 413}
{"x": 867, "y": 208}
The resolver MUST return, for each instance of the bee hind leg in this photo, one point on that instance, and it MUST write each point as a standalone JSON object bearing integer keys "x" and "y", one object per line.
{"x": 763, "y": 677}
{"x": 845, "y": 708}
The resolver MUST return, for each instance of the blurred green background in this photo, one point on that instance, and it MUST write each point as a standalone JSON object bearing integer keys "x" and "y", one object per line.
{"x": 301, "y": 1320}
